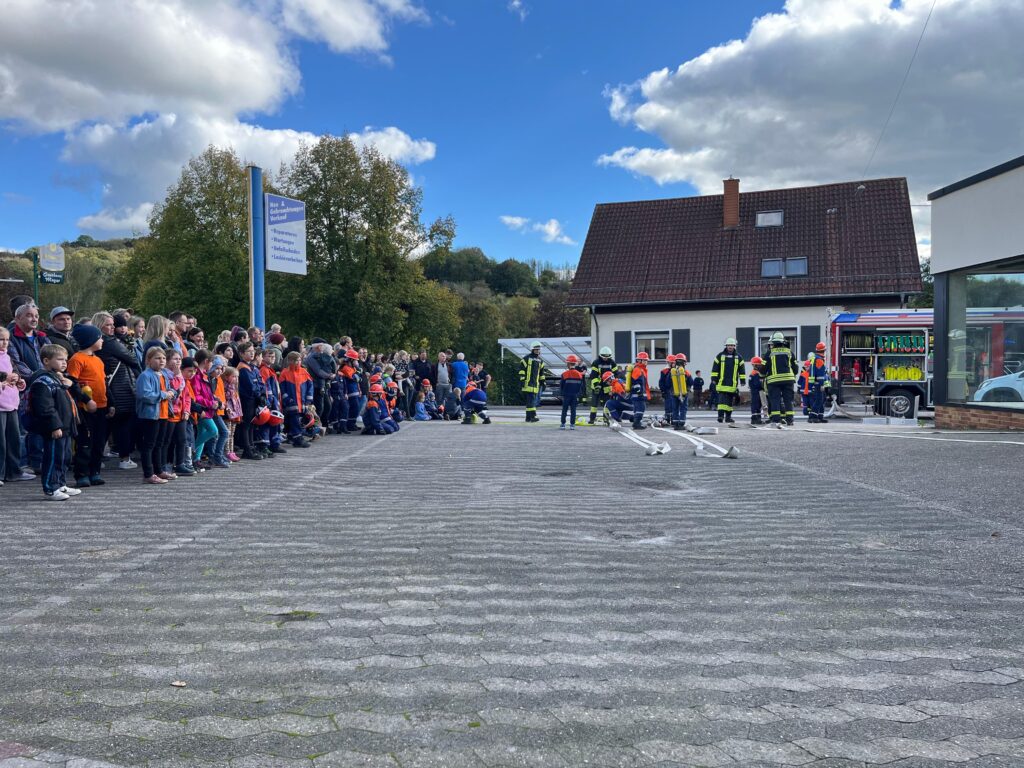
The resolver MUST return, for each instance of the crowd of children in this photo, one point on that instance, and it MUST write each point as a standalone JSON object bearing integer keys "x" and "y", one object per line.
{"x": 151, "y": 391}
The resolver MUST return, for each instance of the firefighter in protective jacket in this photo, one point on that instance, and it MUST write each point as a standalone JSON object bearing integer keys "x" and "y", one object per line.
{"x": 598, "y": 389}
{"x": 728, "y": 374}
{"x": 531, "y": 378}
{"x": 780, "y": 369}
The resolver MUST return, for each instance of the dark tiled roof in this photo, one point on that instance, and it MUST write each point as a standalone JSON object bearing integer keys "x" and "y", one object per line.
{"x": 856, "y": 243}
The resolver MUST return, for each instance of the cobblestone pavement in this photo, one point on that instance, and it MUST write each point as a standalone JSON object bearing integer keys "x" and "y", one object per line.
{"x": 512, "y": 595}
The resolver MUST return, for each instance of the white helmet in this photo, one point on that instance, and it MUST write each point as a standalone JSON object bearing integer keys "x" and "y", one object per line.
{"x": 730, "y": 342}
{"x": 778, "y": 338}
{"x": 606, "y": 351}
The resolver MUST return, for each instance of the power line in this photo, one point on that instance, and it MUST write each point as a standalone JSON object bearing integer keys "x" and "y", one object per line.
{"x": 900, "y": 91}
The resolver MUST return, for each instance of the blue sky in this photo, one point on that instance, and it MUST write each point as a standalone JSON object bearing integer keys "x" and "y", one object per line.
{"x": 515, "y": 117}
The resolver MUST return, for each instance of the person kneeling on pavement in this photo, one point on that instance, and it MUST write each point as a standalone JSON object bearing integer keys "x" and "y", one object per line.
{"x": 619, "y": 404}
{"x": 372, "y": 414}
{"x": 474, "y": 401}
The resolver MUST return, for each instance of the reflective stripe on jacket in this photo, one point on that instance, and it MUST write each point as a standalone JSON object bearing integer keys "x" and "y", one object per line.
{"x": 780, "y": 366}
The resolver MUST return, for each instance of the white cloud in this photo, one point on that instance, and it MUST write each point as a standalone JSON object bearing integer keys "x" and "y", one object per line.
{"x": 347, "y": 25}
{"x": 518, "y": 7}
{"x": 62, "y": 62}
{"x": 550, "y": 230}
{"x": 802, "y": 99}
{"x": 120, "y": 220}
{"x": 140, "y": 86}
{"x": 516, "y": 223}
{"x": 396, "y": 144}
{"x": 139, "y": 161}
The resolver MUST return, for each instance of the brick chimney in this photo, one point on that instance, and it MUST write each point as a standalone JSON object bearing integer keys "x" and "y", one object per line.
{"x": 731, "y": 204}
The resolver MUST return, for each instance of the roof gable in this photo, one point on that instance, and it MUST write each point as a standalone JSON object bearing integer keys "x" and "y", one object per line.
{"x": 858, "y": 238}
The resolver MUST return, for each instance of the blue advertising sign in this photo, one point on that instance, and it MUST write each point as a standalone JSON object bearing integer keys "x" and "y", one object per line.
{"x": 285, "y": 227}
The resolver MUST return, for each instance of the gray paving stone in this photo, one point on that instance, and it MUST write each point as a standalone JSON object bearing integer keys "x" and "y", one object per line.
{"x": 493, "y": 624}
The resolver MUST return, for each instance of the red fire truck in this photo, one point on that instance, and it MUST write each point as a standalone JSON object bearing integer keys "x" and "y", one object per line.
{"x": 885, "y": 356}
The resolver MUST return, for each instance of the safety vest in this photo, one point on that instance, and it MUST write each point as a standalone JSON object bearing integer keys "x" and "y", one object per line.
{"x": 728, "y": 372}
{"x": 678, "y": 377}
{"x": 531, "y": 373}
{"x": 780, "y": 366}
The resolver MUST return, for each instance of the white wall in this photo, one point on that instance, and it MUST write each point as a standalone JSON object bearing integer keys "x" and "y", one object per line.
{"x": 980, "y": 223}
{"x": 710, "y": 328}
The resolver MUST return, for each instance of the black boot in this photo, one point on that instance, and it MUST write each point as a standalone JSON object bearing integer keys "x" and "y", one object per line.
{"x": 593, "y": 419}
{"x": 487, "y": 419}
{"x": 251, "y": 455}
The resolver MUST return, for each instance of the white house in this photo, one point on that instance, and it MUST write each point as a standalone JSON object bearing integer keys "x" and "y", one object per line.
{"x": 683, "y": 274}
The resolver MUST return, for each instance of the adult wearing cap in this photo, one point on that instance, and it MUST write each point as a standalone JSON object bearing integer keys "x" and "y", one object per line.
{"x": 121, "y": 367}
{"x": 599, "y": 392}
{"x": 86, "y": 369}
{"x": 728, "y": 374}
{"x": 532, "y": 370}
{"x": 59, "y": 330}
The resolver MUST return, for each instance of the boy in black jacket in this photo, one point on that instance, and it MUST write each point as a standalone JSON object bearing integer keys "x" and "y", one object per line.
{"x": 52, "y": 417}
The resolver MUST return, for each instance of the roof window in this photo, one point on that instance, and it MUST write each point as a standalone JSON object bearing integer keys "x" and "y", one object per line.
{"x": 769, "y": 219}
{"x": 792, "y": 267}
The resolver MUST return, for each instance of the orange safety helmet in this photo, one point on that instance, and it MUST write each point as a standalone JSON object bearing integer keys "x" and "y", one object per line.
{"x": 470, "y": 386}
{"x": 571, "y": 359}
{"x": 376, "y": 389}
{"x": 607, "y": 375}
{"x": 755, "y": 360}
{"x": 670, "y": 359}
{"x": 820, "y": 346}
{"x": 352, "y": 354}
{"x": 426, "y": 383}
{"x": 261, "y": 417}
{"x": 643, "y": 356}
{"x": 276, "y": 418}
{"x": 375, "y": 378}
{"x": 680, "y": 356}
{"x": 807, "y": 365}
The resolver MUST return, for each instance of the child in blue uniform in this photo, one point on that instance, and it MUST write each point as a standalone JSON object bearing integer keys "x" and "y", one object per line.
{"x": 572, "y": 387}
{"x": 474, "y": 401}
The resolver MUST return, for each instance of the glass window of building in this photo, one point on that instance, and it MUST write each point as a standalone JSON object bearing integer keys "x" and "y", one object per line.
{"x": 986, "y": 338}
{"x": 654, "y": 343}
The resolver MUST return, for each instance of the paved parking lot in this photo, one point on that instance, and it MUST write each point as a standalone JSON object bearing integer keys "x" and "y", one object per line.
{"x": 513, "y": 595}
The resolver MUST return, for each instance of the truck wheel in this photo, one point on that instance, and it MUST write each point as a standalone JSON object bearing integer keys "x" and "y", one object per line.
{"x": 898, "y": 403}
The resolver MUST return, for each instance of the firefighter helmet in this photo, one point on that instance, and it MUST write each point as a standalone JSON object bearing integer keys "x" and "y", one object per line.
{"x": 572, "y": 359}
{"x": 810, "y": 357}
{"x": 276, "y": 418}
{"x": 778, "y": 338}
{"x": 820, "y": 346}
{"x": 376, "y": 389}
{"x": 680, "y": 357}
{"x": 606, "y": 351}
{"x": 607, "y": 375}
{"x": 643, "y": 356}
{"x": 670, "y": 359}
{"x": 352, "y": 354}
{"x": 730, "y": 342}
{"x": 536, "y": 345}
{"x": 261, "y": 417}
{"x": 756, "y": 360}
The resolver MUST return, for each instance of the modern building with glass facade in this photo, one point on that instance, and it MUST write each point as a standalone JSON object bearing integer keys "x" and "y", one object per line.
{"x": 978, "y": 265}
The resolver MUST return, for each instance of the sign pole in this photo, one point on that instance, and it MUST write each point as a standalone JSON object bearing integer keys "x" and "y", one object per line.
{"x": 35, "y": 278}
{"x": 257, "y": 246}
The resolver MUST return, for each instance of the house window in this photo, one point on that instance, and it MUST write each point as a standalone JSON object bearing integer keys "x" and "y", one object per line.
{"x": 796, "y": 267}
{"x": 654, "y": 343}
{"x": 764, "y": 336}
{"x": 769, "y": 218}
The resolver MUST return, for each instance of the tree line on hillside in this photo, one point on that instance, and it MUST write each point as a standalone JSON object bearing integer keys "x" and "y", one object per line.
{"x": 364, "y": 232}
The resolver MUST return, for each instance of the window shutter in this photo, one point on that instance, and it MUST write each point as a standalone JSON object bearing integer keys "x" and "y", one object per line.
{"x": 747, "y": 346}
{"x": 623, "y": 354}
{"x": 809, "y": 336}
{"x": 681, "y": 342}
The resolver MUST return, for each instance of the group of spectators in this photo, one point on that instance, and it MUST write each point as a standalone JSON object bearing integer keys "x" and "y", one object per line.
{"x": 160, "y": 393}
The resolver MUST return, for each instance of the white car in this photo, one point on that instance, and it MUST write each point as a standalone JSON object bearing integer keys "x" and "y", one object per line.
{"x": 1001, "y": 389}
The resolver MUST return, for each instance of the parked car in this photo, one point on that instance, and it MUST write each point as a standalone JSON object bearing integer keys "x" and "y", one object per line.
{"x": 1001, "y": 389}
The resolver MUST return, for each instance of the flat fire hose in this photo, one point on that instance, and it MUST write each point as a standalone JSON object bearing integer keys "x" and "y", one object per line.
{"x": 704, "y": 448}
{"x": 650, "y": 447}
